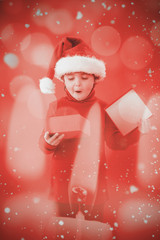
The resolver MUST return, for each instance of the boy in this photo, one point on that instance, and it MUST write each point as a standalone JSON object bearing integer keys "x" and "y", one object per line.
{"x": 75, "y": 65}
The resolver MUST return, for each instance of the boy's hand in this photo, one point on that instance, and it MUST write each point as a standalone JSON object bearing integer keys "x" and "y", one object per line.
{"x": 53, "y": 140}
{"x": 144, "y": 126}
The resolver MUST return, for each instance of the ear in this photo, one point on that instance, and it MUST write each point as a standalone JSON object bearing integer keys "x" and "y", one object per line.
{"x": 62, "y": 78}
{"x": 96, "y": 80}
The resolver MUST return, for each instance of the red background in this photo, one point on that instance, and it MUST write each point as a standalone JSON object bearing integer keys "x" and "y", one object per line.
{"x": 126, "y": 35}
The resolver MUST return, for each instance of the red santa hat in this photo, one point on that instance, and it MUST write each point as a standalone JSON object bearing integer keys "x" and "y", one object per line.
{"x": 72, "y": 55}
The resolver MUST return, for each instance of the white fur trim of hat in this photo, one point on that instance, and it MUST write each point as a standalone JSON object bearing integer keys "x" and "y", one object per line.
{"x": 90, "y": 65}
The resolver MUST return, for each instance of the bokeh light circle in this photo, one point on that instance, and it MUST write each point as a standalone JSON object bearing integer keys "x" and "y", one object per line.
{"x": 35, "y": 104}
{"x": 13, "y": 7}
{"x": 155, "y": 34}
{"x": 38, "y": 103}
{"x": 134, "y": 214}
{"x": 12, "y": 35}
{"x": 18, "y": 83}
{"x": 136, "y": 53}
{"x": 11, "y": 60}
{"x": 59, "y": 21}
{"x": 37, "y": 49}
{"x": 27, "y": 210}
{"x": 41, "y": 55}
{"x": 106, "y": 40}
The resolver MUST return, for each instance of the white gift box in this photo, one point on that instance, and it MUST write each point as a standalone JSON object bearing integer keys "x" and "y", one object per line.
{"x": 70, "y": 125}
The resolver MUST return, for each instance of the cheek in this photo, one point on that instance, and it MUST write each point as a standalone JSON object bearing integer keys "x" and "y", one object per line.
{"x": 67, "y": 84}
{"x": 89, "y": 86}
{"x": 69, "y": 87}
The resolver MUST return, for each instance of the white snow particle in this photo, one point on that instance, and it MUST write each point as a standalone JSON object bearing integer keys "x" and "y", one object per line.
{"x": 112, "y": 21}
{"x": 85, "y": 211}
{"x": 7, "y": 210}
{"x": 153, "y": 128}
{"x": 133, "y": 189}
{"x": 109, "y": 8}
{"x": 16, "y": 149}
{"x": 36, "y": 200}
{"x": 38, "y": 13}
{"x": 27, "y": 25}
{"x": 104, "y": 5}
{"x": 116, "y": 224}
{"x": 79, "y": 15}
{"x": 145, "y": 221}
{"x": 61, "y": 223}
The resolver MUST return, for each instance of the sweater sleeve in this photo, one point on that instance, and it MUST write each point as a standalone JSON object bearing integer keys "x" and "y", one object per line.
{"x": 115, "y": 140}
{"x": 44, "y": 146}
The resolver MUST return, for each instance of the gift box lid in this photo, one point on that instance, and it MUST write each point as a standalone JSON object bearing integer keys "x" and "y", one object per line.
{"x": 128, "y": 111}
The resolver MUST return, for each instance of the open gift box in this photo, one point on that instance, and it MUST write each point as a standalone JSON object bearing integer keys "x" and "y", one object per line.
{"x": 128, "y": 111}
{"x": 72, "y": 126}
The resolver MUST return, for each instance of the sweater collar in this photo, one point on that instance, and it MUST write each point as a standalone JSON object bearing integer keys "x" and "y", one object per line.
{"x": 90, "y": 98}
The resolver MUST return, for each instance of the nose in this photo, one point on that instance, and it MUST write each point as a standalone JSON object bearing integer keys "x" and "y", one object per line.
{"x": 77, "y": 81}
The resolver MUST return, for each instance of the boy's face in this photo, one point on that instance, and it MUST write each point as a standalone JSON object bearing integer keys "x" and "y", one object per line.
{"x": 79, "y": 84}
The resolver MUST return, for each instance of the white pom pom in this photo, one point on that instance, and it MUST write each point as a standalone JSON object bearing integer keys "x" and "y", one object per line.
{"x": 47, "y": 86}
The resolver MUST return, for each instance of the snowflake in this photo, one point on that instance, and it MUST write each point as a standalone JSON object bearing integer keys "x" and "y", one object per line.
{"x": 7, "y": 210}
{"x": 79, "y": 15}
{"x": 27, "y": 25}
{"x": 104, "y": 5}
{"x": 61, "y": 223}
{"x": 116, "y": 224}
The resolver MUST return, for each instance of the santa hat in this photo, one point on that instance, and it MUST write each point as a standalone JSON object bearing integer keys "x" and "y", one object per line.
{"x": 72, "y": 55}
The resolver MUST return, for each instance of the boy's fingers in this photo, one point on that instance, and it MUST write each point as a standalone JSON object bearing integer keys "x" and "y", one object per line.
{"x": 58, "y": 139}
{"x": 46, "y": 135}
{"x": 144, "y": 126}
{"x": 54, "y": 136}
{"x": 55, "y": 139}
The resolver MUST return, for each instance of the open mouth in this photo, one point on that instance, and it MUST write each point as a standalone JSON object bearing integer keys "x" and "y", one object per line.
{"x": 78, "y": 91}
